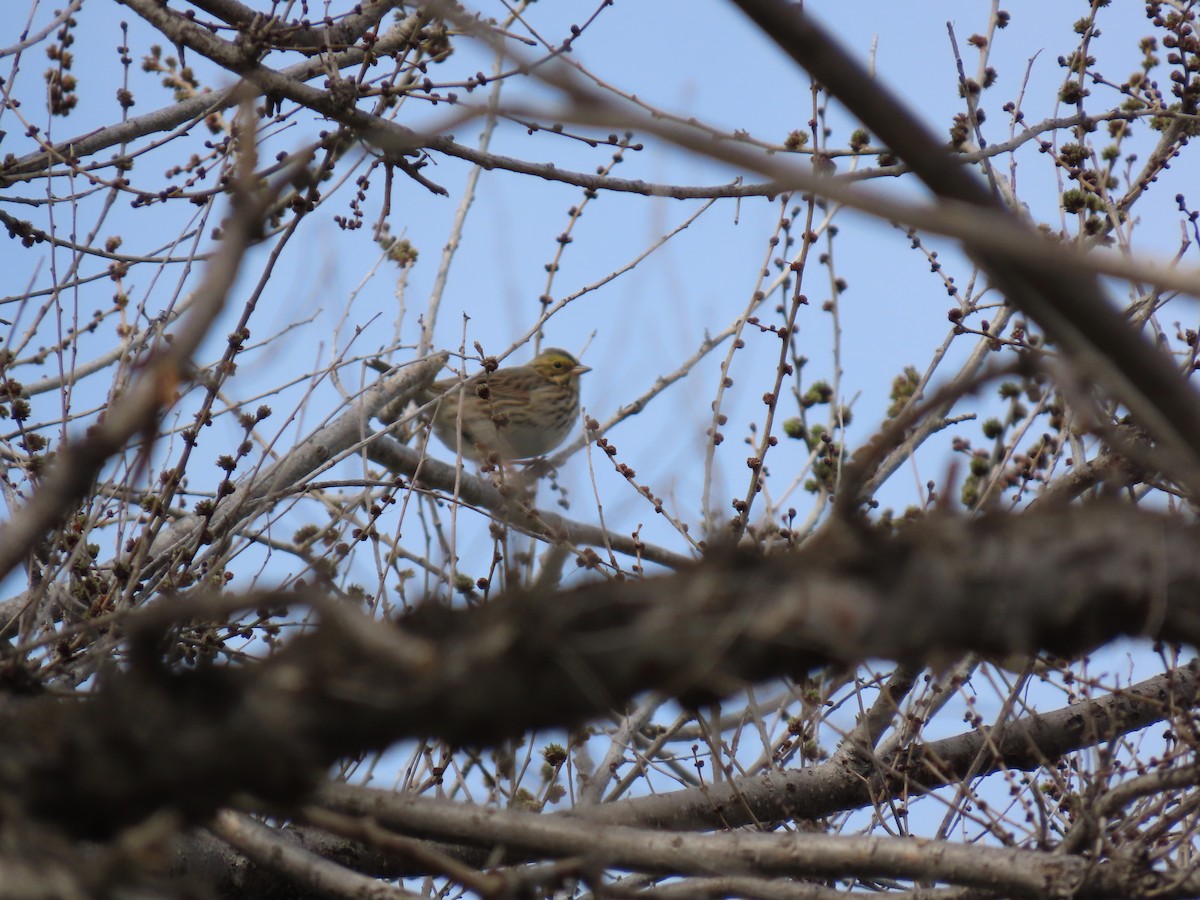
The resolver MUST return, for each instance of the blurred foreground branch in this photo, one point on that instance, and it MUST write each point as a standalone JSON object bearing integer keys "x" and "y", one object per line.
{"x": 1062, "y": 580}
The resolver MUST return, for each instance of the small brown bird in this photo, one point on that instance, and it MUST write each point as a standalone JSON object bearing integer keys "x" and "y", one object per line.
{"x": 516, "y": 412}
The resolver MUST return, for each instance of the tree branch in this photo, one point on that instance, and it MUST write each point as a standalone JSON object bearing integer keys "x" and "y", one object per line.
{"x": 1063, "y": 580}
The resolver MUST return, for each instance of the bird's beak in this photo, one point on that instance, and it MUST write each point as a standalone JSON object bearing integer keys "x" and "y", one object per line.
{"x": 580, "y": 369}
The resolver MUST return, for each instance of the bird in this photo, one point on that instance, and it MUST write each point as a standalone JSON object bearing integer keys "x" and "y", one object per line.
{"x": 512, "y": 413}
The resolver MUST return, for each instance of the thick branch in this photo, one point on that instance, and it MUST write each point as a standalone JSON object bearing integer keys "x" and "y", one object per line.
{"x": 300, "y": 35}
{"x": 796, "y": 854}
{"x": 1062, "y": 580}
